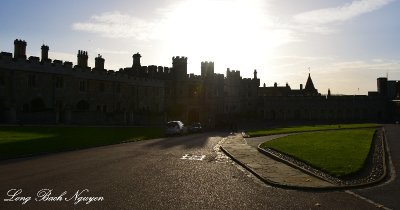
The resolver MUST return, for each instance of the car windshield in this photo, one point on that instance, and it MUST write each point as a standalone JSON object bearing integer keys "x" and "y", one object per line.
{"x": 197, "y": 125}
{"x": 172, "y": 124}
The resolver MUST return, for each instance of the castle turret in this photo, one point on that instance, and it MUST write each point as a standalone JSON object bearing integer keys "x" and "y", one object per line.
{"x": 207, "y": 69}
{"x": 45, "y": 53}
{"x": 99, "y": 63}
{"x": 382, "y": 86}
{"x": 136, "y": 61}
{"x": 19, "y": 49}
{"x": 83, "y": 58}
{"x": 179, "y": 65}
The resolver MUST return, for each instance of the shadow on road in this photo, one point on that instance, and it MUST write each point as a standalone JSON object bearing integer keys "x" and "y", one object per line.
{"x": 188, "y": 141}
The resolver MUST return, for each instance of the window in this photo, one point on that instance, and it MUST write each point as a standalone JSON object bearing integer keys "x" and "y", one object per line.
{"x": 133, "y": 90}
{"x": 37, "y": 105}
{"x": 25, "y": 107}
{"x": 59, "y": 82}
{"x": 118, "y": 88}
{"x": 82, "y": 85}
{"x": 32, "y": 80}
{"x": 82, "y": 105}
{"x": 2, "y": 79}
{"x": 118, "y": 106}
{"x": 101, "y": 87}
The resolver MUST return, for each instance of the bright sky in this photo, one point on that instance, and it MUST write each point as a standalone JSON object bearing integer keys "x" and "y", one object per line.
{"x": 346, "y": 44}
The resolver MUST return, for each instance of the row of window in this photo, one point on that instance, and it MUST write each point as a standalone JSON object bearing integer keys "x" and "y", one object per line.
{"x": 193, "y": 92}
{"x": 84, "y": 86}
{"x": 38, "y": 105}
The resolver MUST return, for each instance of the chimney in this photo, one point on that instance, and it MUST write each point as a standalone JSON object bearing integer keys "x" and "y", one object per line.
{"x": 45, "y": 53}
{"x": 301, "y": 86}
{"x": 82, "y": 58}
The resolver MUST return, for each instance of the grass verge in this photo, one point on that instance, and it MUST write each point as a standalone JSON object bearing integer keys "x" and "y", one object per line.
{"x": 338, "y": 153}
{"x": 295, "y": 129}
{"x": 22, "y": 141}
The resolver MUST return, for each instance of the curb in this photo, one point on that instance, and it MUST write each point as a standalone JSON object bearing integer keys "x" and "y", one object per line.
{"x": 267, "y": 181}
{"x": 380, "y": 179}
{"x": 272, "y": 183}
{"x": 245, "y": 135}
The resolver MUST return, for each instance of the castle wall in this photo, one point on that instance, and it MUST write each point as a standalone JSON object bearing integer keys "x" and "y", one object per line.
{"x": 55, "y": 93}
{"x": 34, "y": 91}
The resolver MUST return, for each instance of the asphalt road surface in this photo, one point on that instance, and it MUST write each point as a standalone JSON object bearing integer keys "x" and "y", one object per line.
{"x": 388, "y": 193}
{"x": 185, "y": 172}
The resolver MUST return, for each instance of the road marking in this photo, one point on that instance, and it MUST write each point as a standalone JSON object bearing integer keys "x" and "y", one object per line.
{"x": 193, "y": 157}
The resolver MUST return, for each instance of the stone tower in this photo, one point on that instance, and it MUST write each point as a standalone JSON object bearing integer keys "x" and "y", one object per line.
{"x": 207, "y": 69}
{"x": 99, "y": 63}
{"x": 136, "y": 61}
{"x": 19, "y": 49}
{"x": 179, "y": 65}
{"x": 382, "y": 86}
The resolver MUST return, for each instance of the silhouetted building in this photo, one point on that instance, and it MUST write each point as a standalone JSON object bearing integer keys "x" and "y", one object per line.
{"x": 44, "y": 91}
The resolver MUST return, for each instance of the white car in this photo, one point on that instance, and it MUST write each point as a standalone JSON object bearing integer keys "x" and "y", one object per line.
{"x": 174, "y": 128}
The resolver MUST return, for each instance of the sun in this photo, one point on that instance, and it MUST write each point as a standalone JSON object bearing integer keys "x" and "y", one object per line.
{"x": 237, "y": 33}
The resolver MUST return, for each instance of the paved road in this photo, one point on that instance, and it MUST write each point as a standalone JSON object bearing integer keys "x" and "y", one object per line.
{"x": 389, "y": 192}
{"x": 155, "y": 174}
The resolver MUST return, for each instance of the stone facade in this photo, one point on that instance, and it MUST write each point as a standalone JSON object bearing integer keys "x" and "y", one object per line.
{"x": 41, "y": 90}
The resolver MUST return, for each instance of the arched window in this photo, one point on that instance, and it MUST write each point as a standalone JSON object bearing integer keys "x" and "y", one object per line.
{"x": 37, "y": 105}
{"x": 82, "y": 105}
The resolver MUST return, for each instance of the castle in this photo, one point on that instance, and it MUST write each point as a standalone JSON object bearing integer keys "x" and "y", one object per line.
{"x": 41, "y": 90}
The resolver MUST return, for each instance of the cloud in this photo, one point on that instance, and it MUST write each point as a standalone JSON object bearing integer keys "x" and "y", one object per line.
{"x": 342, "y": 13}
{"x": 116, "y": 25}
{"x": 317, "y": 20}
{"x": 117, "y": 52}
{"x": 373, "y": 66}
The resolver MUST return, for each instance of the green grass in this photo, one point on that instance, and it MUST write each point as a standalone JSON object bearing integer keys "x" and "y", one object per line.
{"x": 21, "y": 141}
{"x": 295, "y": 129}
{"x": 338, "y": 153}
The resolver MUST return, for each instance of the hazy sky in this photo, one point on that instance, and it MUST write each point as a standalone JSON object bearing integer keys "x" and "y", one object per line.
{"x": 346, "y": 44}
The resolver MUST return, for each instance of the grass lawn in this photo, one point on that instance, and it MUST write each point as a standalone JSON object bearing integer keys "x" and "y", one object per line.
{"x": 295, "y": 129}
{"x": 338, "y": 153}
{"x": 19, "y": 141}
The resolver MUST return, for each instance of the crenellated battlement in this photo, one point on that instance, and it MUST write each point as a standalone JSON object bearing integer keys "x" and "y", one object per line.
{"x": 179, "y": 59}
{"x": 233, "y": 73}
{"x": 151, "y": 72}
{"x": 207, "y": 63}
